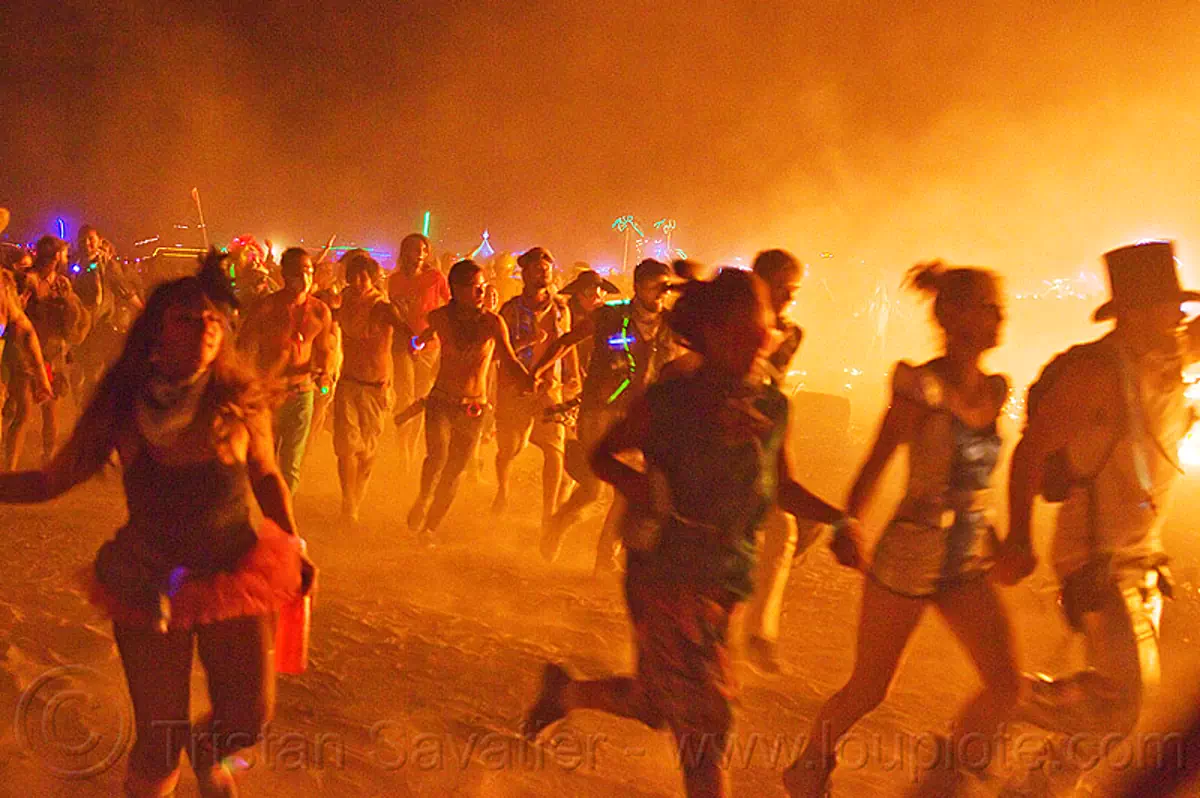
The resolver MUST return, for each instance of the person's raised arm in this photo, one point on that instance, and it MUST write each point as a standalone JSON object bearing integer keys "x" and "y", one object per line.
{"x": 88, "y": 449}
{"x": 504, "y": 351}
{"x": 582, "y": 330}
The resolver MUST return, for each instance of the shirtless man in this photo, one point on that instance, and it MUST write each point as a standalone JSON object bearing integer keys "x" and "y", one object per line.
{"x": 289, "y": 335}
{"x": 60, "y": 321}
{"x": 16, "y": 326}
{"x": 471, "y": 338}
{"x": 111, "y": 302}
{"x": 328, "y": 287}
{"x": 364, "y": 394}
{"x": 535, "y": 318}
{"x": 417, "y": 287}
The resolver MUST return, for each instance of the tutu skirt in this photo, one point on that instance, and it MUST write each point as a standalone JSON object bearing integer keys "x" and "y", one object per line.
{"x": 264, "y": 579}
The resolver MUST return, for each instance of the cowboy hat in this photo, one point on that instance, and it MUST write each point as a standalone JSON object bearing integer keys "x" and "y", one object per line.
{"x": 588, "y": 280}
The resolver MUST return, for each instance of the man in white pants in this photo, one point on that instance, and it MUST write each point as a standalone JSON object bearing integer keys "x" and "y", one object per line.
{"x": 784, "y": 539}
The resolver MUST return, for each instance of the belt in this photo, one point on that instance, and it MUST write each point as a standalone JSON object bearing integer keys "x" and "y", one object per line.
{"x": 474, "y": 407}
{"x": 364, "y": 383}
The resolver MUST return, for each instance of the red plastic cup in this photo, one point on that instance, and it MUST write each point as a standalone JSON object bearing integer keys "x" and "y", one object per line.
{"x": 291, "y": 634}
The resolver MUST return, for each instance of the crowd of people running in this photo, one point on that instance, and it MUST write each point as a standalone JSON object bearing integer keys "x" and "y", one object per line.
{"x": 208, "y": 392}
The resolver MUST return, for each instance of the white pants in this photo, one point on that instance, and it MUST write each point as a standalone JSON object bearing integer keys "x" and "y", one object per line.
{"x": 784, "y": 541}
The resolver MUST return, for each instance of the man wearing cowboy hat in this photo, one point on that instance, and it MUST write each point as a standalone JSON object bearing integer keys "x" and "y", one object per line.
{"x": 586, "y": 292}
{"x": 1117, "y": 412}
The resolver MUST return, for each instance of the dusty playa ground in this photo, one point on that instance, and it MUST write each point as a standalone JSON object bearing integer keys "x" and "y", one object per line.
{"x": 422, "y": 662}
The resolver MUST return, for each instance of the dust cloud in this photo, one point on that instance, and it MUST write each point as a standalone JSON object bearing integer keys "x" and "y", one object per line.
{"x": 1018, "y": 135}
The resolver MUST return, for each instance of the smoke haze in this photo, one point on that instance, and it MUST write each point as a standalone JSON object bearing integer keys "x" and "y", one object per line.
{"x": 1027, "y": 137}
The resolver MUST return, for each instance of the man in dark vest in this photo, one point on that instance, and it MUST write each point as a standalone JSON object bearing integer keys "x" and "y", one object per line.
{"x": 630, "y": 344}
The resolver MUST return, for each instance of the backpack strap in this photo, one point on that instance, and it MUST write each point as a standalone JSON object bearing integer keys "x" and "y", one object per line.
{"x": 1103, "y": 354}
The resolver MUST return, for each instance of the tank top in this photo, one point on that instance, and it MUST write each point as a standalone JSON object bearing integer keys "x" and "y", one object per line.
{"x": 941, "y": 532}
{"x": 524, "y": 324}
{"x": 718, "y": 449}
{"x": 950, "y": 463}
{"x": 195, "y": 515}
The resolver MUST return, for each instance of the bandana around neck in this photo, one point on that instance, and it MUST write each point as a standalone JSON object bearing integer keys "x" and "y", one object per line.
{"x": 167, "y": 407}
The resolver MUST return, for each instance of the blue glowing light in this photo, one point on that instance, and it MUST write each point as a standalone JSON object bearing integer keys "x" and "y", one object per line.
{"x": 621, "y": 341}
{"x": 62, "y": 228}
{"x": 176, "y": 579}
{"x": 416, "y": 343}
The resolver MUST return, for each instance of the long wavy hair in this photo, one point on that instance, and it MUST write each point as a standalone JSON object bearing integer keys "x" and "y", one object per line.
{"x": 234, "y": 388}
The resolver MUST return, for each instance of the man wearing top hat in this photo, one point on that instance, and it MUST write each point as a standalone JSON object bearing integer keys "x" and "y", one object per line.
{"x": 1117, "y": 412}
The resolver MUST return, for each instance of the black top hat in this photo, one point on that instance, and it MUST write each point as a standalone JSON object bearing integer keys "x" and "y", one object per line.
{"x": 1141, "y": 275}
{"x": 588, "y": 280}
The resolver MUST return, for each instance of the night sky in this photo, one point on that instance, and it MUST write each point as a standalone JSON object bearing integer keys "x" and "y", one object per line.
{"x": 1029, "y": 136}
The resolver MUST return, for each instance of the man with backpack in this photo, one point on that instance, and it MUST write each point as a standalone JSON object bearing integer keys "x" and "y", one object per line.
{"x": 1104, "y": 425}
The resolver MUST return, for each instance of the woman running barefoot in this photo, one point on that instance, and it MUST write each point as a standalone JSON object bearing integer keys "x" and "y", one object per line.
{"x": 188, "y": 568}
{"x": 713, "y": 444}
{"x": 940, "y": 542}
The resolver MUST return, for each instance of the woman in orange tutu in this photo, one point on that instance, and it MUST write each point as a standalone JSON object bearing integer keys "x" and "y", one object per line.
{"x": 193, "y": 433}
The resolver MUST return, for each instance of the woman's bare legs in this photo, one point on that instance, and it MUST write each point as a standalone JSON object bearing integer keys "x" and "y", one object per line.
{"x": 886, "y": 622}
{"x": 978, "y": 619}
